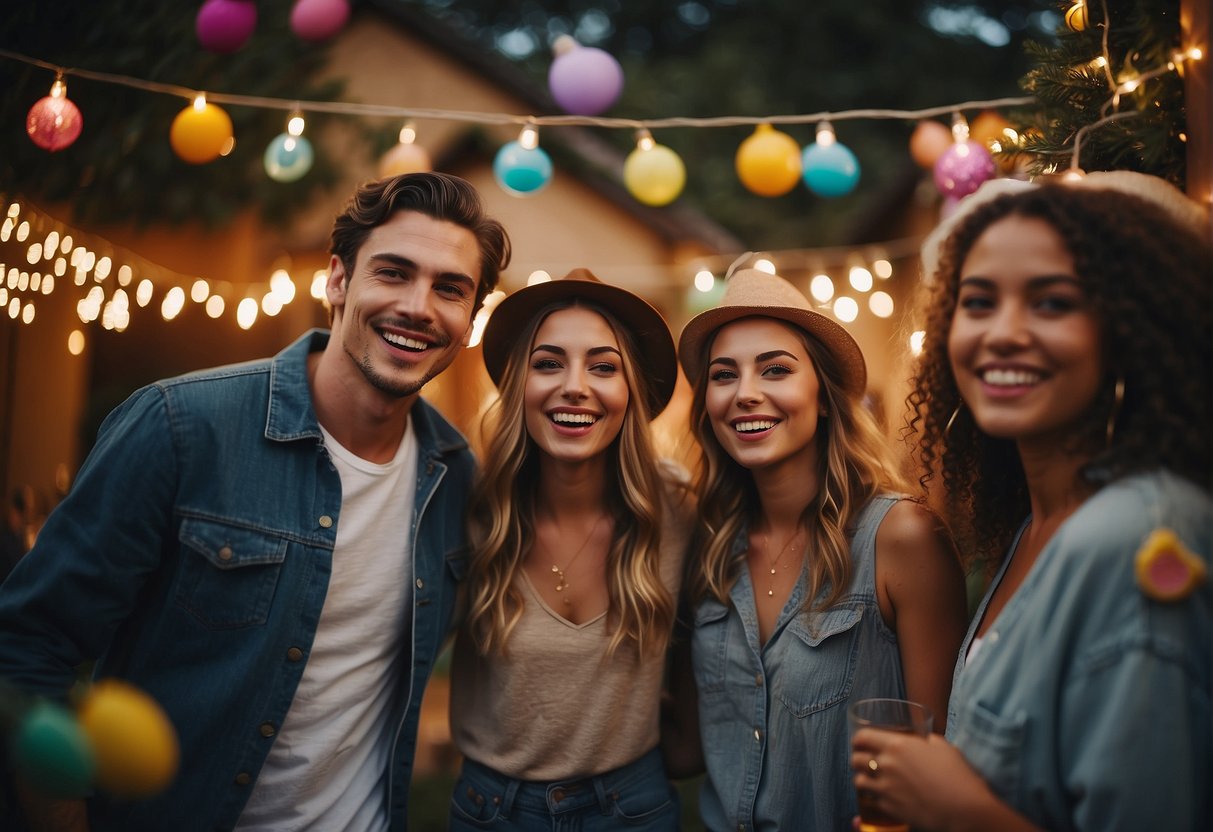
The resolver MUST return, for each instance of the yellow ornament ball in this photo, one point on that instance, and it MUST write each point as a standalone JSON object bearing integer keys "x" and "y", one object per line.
{"x": 133, "y": 741}
{"x": 1077, "y": 18}
{"x": 768, "y": 162}
{"x": 928, "y": 142}
{"x": 654, "y": 176}
{"x": 405, "y": 158}
{"x": 200, "y": 133}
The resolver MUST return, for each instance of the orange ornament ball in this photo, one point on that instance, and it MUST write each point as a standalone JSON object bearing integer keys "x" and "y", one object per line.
{"x": 768, "y": 162}
{"x": 405, "y": 158}
{"x": 988, "y": 127}
{"x": 201, "y": 133}
{"x": 928, "y": 142}
{"x": 1077, "y": 18}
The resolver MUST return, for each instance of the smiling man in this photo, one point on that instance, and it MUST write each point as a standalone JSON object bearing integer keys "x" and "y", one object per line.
{"x": 271, "y": 549}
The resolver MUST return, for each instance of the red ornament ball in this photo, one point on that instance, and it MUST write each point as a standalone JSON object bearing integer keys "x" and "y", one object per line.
{"x": 54, "y": 122}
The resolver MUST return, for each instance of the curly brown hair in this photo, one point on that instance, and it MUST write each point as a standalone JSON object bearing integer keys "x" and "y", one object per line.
{"x": 1148, "y": 280}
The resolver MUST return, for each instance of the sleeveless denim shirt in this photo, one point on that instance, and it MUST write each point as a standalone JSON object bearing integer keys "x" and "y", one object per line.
{"x": 773, "y": 718}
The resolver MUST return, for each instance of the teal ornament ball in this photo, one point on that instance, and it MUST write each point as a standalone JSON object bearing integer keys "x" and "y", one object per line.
{"x": 52, "y": 753}
{"x": 830, "y": 170}
{"x": 288, "y": 157}
{"x": 521, "y": 171}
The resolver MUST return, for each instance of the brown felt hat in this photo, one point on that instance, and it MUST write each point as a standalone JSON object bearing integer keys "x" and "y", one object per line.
{"x": 655, "y": 344}
{"x": 751, "y": 293}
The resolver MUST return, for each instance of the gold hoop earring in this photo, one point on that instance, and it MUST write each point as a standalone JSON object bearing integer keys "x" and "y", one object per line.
{"x": 947, "y": 429}
{"x": 1118, "y": 400}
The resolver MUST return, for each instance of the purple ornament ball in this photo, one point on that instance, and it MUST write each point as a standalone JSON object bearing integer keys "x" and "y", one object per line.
{"x": 584, "y": 80}
{"x": 317, "y": 20}
{"x": 962, "y": 168}
{"x": 224, "y": 26}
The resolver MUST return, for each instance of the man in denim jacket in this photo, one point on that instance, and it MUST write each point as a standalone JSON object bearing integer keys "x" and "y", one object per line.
{"x": 271, "y": 549}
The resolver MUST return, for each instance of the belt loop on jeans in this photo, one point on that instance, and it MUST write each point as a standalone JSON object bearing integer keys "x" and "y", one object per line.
{"x": 606, "y": 801}
{"x": 507, "y": 799}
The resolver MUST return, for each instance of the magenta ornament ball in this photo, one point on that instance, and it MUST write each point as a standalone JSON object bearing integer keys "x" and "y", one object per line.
{"x": 585, "y": 80}
{"x": 224, "y": 26}
{"x": 317, "y": 20}
{"x": 54, "y": 122}
{"x": 962, "y": 168}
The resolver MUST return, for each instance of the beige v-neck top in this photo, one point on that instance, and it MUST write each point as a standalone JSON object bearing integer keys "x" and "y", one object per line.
{"x": 552, "y": 708}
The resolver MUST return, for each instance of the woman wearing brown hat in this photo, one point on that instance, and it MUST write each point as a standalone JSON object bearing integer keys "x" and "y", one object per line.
{"x": 578, "y": 536}
{"x": 1063, "y": 401}
{"x": 814, "y": 583}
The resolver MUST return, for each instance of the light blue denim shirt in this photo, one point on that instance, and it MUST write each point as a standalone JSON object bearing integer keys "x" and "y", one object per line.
{"x": 192, "y": 558}
{"x": 1087, "y": 705}
{"x": 773, "y": 718}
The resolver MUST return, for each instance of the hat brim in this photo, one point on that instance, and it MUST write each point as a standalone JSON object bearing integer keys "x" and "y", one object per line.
{"x": 700, "y": 330}
{"x": 654, "y": 343}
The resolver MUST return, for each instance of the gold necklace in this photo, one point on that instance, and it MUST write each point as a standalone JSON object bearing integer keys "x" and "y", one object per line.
{"x": 561, "y": 582}
{"x": 773, "y": 563}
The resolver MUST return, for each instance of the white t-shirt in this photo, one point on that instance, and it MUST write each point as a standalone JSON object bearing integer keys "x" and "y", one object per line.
{"x": 328, "y": 765}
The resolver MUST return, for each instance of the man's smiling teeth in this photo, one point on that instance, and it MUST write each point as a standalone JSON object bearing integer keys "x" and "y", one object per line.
{"x": 1010, "y": 378}
{"x": 754, "y": 425}
{"x": 406, "y": 343}
{"x": 574, "y": 418}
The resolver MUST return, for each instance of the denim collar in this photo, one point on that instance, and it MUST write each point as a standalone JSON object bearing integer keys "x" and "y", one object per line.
{"x": 291, "y": 415}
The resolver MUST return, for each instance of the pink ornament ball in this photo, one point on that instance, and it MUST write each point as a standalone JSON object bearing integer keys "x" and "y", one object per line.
{"x": 584, "y": 80}
{"x": 962, "y": 168}
{"x": 224, "y": 26}
{"x": 317, "y": 20}
{"x": 54, "y": 122}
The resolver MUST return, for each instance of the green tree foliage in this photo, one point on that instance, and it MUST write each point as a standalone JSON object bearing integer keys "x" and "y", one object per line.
{"x": 1073, "y": 91}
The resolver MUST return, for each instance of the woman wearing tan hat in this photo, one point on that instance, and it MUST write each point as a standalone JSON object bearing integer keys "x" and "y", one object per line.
{"x": 1064, "y": 400}
{"x": 578, "y": 535}
{"x": 814, "y": 584}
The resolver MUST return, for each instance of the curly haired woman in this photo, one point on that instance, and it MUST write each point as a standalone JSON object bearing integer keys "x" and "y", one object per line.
{"x": 578, "y": 534}
{"x": 1066, "y": 380}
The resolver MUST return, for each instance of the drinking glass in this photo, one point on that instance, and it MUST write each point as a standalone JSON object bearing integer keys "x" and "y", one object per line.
{"x": 886, "y": 715}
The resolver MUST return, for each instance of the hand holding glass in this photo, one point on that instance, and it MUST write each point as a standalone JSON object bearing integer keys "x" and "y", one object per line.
{"x": 886, "y": 715}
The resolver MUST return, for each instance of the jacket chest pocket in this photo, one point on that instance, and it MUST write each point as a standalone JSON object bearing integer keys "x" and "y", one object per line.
{"x": 816, "y": 664}
{"x": 709, "y": 646}
{"x": 228, "y": 574}
{"x": 993, "y": 744}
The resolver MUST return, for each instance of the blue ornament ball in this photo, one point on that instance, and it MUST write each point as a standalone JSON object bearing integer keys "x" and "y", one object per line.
{"x": 830, "y": 170}
{"x": 521, "y": 171}
{"x": 288, "y": 157}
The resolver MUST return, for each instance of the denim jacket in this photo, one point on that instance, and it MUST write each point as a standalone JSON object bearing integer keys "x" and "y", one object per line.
{"x": 773, "y": 717}
{"x": 192, "y": 558}
{"x": 1087, "y": 705}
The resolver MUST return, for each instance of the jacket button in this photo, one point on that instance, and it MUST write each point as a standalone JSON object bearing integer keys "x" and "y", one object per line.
{"x": 243, "y": 778}
{"x": 757, "y": 736}
{"x": 268, "y": 729}
{"x": 325, "y": 521}
{"x": 420, "y": 584}
{"x": 225, "y": 554}
{"x": 429, "y": 467}
{"x": 294, "y": 654}
{"x": 758, "y": 679}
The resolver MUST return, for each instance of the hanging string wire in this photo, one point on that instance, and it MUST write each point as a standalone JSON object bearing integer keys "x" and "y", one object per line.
{"x": 389, "y": 111}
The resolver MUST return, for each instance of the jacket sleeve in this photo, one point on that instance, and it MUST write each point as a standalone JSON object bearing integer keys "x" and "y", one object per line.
{"x": 67, "y": 597}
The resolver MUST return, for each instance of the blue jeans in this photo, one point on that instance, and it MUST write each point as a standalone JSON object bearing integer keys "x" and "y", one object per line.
{"x": 636, "y": 796}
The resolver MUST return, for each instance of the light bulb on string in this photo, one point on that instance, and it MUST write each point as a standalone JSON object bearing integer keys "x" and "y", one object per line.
{"x": 963, "y": 166}
{"x": 830, "y": 168}
{"x": 653, "y": 174}
{"x": 768, "y": 161}
{"x": 289, "y": 155}
{"x": 201, "y": 132}
{"x": 406, "y": 157}
{"x": 54, "y": 122}
{"x": 522, "y": 167}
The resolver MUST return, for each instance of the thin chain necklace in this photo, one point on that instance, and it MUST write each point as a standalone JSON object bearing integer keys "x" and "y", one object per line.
{"x": 774, "y": 563}
{"x": 561, "y": 582}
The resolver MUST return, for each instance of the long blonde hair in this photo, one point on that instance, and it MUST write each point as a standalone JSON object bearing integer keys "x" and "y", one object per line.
{"x": 503, "y": 507}
{"x": 854, "y": 463}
